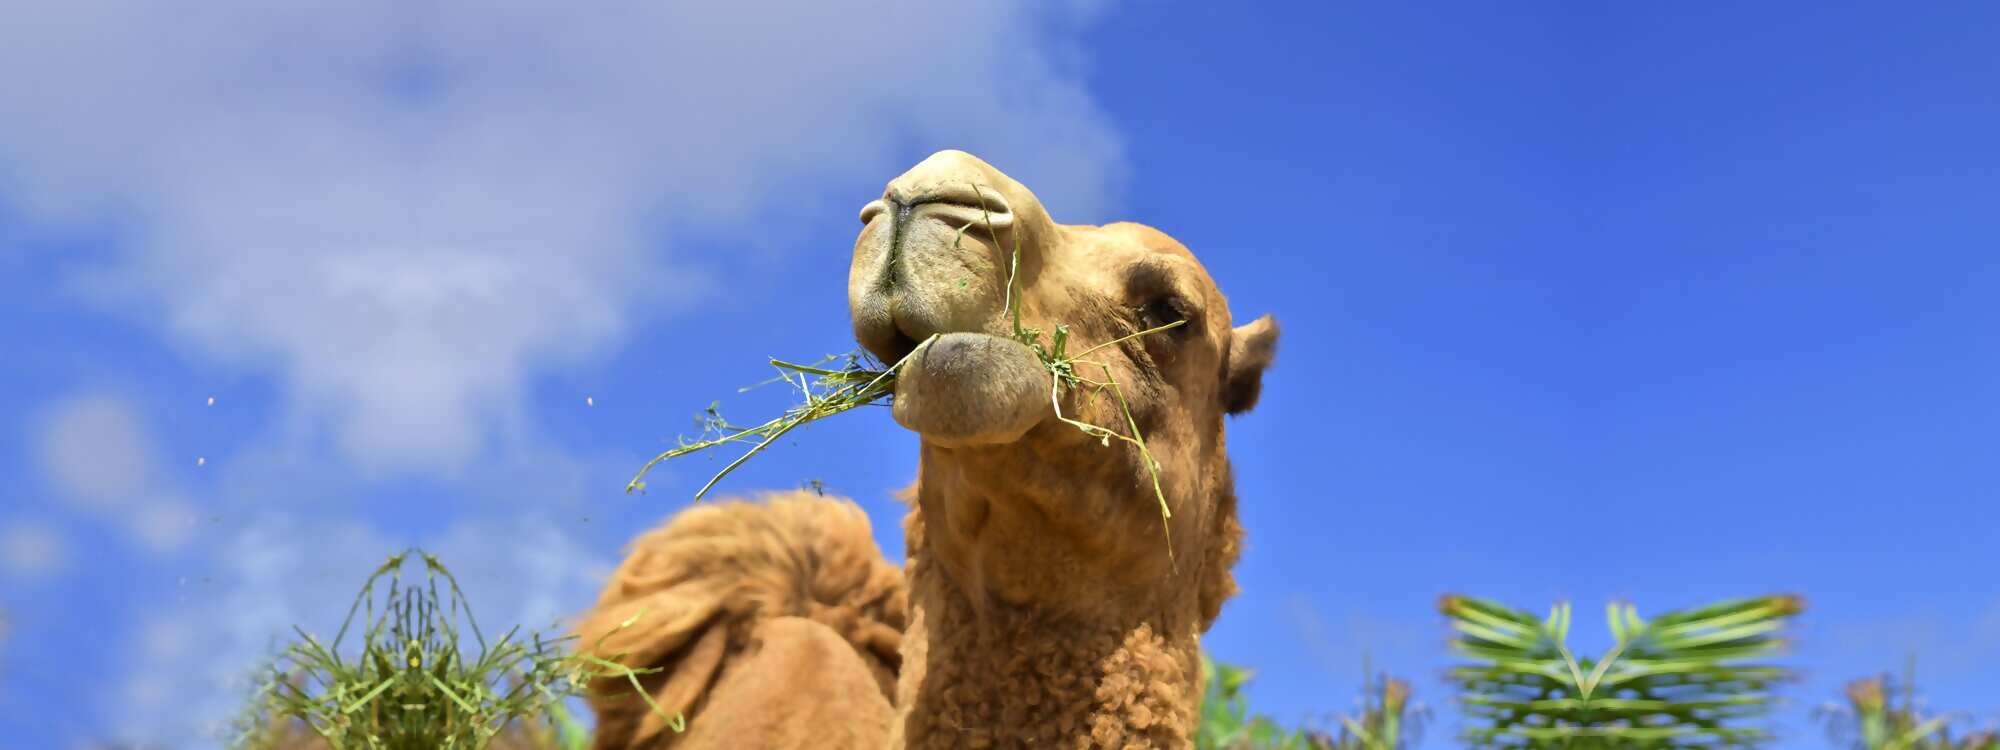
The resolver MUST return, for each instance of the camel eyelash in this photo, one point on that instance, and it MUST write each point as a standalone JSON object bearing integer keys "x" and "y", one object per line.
{"x": 1151, "y": 285}
{"x": 1164, "y": 311}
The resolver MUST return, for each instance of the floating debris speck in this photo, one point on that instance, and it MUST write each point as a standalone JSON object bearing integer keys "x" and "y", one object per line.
{"x": 211, "y": 400}
{"x": 201, "y": 461}
{"x": 588, "y": 401}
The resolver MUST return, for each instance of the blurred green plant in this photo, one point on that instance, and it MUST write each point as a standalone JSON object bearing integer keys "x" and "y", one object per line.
{"x": 1226, "y": 721}
{"x": 1388, "y": 720}
{"x": 1228, "y": 724}
{"x": 1873, "y": 720}
{"x": 411, "y": 687}
{"x": 1679, "y": 680}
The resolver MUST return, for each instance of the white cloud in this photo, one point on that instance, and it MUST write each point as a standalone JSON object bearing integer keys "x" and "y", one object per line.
{"x": 404, "y": 211}
{"x": 31, "y": 550}
{"x": 160, "y": 523}
{"x": 97, "y": 453}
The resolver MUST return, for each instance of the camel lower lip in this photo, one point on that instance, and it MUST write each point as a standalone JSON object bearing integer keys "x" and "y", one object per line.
{"x": 971, "y": 389}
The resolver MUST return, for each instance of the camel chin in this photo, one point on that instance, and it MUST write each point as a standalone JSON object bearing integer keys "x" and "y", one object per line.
{"x": 969, "y": 389}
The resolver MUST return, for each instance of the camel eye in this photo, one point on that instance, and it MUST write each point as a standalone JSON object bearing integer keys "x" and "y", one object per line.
{"x": 1161, "y": 311}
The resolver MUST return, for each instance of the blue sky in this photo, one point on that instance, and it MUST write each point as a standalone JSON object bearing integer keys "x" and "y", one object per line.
{"x": 1579, "y": 303}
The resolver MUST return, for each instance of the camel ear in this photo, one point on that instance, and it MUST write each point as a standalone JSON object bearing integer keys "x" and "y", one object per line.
{"x": 1251, "y": 347}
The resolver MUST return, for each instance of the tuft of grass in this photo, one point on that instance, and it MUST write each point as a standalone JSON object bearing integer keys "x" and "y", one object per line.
{"x": 1388, "y": 720}
{"x": 411, "y": 686}
{"x": 860, "y": 382}
{"x": 1874, "y": 718}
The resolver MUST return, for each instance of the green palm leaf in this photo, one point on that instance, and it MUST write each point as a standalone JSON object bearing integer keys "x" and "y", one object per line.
{"x": 1684, "y": 679}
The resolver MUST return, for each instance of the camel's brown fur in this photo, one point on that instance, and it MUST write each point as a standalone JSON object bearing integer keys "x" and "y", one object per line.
{"x": 705, "y": 593}
{"x": 1043, "y": 606}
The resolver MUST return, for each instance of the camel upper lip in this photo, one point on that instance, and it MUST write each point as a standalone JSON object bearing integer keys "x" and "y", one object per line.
{"x": 966, "y": 193}
{"x": 891, "y": 329}
{"x": 959, "y": 200}
{"x": 895, "y": 335}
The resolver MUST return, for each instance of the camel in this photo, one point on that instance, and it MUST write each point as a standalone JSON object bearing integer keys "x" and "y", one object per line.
{"x": 1040, "y": 604}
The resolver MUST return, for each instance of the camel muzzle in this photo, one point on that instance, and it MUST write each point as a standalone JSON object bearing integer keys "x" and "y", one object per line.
{"x": 929, "y": 265}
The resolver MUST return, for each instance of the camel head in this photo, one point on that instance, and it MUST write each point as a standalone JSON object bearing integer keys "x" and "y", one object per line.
{"x": 1016, "y": 503}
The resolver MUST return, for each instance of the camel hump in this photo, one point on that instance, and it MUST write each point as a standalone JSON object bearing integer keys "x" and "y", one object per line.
{"x": 690, "y": 595}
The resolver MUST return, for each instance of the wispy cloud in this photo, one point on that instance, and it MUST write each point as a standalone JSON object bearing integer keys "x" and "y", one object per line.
{"x": 1988, "y": 629}
{"x": 1945, "y": 648}
{"x": 97, "y": 453}
{"x": 1357, "y": 648}
{"x": 1340, "y": 650}
{"x": 404, "y": 211}
{"x": 32, "y": 550}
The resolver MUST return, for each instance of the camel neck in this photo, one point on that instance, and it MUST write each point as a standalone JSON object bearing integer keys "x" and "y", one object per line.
{"x": 977, "y": 673}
